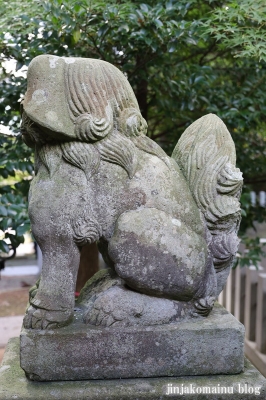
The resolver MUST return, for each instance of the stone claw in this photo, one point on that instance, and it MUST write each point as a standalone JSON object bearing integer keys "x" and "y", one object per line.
{"x": 37, "y": 318}
{"x": 204, "y": 305}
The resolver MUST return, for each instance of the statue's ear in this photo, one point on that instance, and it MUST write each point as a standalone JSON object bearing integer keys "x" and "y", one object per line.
{"x": 131, "y": 123}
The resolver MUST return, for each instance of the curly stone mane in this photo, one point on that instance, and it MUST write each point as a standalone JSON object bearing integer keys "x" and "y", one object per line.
{"x": 106, "y": 115}
{"x": 107, "y": 123}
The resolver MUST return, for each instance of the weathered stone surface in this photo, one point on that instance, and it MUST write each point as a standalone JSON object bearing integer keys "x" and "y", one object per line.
{"x": 14, "y": 385}
{"x": 167, "y": 226}
{"x": 78, "y": 351}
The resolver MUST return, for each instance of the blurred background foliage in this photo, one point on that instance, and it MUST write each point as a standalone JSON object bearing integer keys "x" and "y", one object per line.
{"x": 183, "y": 59}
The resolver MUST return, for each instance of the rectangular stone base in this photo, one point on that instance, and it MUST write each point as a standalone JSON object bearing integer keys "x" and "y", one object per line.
{"x": 204, "y": 346}
{"x": 248, "y": 385}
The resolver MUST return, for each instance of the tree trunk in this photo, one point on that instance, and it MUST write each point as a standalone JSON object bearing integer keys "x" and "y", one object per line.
{"x": 142, "y": 91}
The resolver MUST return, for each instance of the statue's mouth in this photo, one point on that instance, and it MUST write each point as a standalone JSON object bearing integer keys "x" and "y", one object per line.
{"x": 35, "y": 134}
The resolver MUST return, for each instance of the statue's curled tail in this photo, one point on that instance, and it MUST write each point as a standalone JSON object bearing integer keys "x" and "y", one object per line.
{"x": 206, "y": 155}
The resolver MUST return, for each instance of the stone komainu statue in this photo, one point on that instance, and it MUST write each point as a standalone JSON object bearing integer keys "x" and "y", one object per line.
{"x": 166, "y": 227}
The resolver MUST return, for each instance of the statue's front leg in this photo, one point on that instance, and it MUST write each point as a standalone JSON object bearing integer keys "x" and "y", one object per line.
{"x": 52, "y": 208}
{"x": 52, "y": 303}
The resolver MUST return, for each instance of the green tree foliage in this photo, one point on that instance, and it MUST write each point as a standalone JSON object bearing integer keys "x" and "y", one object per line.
{"x": 241, "y": 25}
{"x": 16, "y": 169}
{"x": 183, "y": 60}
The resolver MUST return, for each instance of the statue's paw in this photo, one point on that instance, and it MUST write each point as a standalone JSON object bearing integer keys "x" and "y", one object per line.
{"x": 38, "y": 318}
{"x": 204, "y": 306}
{"x": 104, "y": 313}
{"x": 122, "y": 307}
{"x": 98, "y": 317}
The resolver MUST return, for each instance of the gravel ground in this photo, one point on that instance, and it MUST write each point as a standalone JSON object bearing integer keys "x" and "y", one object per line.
{"x": 13, "y": 302}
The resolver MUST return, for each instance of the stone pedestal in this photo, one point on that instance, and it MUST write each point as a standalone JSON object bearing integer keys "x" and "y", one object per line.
{"x": 200, "y": 346}
{"x": 248, "y": 385}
